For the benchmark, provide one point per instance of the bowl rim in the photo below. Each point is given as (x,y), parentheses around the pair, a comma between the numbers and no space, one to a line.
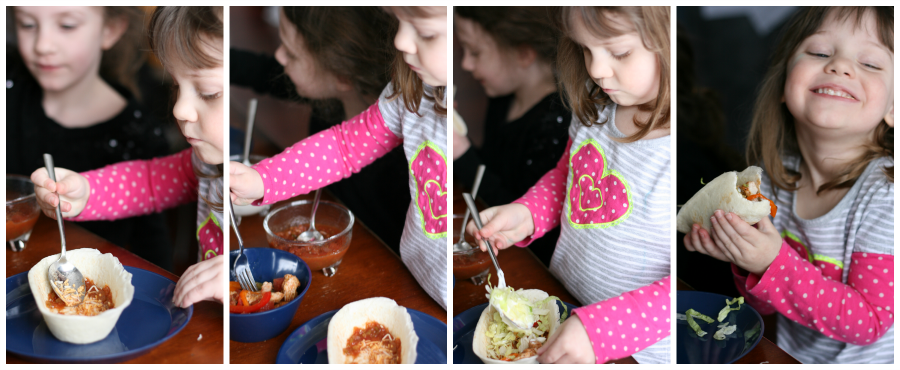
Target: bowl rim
(23,198)
(307,201)
(299,295)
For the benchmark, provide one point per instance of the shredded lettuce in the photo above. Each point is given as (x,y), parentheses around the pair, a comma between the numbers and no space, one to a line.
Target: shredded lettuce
(728,302)
(689,315)
(724,330)
(506,342)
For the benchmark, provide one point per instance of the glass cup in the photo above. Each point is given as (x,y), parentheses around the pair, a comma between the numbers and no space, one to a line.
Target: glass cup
(333,220)
(22,211)
(472,264)
(249,210)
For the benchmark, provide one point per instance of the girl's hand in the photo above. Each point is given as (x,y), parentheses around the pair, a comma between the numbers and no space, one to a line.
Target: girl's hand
(246,184)
(752,249)
(569,344)
(461,144)
(700,241)
(201,282)
(73,188)
(503,226)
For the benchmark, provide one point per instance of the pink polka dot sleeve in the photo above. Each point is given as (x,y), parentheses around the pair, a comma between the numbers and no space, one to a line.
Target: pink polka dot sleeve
(326,157)
(136,188)
(621,326)
(858,312)
(545,199)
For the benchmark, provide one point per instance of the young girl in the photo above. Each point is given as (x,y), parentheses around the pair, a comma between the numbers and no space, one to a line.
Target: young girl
(511,52)
(72,91)
(343,55)
(188,41)
(823,129)
(410,112)
(610,192)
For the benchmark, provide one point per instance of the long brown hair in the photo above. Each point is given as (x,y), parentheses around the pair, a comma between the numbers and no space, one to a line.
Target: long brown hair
(407,84)
(651,24)
(515,26)
(773,133)
(353,43)
(177,36)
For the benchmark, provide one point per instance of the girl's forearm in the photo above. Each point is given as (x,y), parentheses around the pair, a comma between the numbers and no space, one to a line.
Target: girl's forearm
(545,199)
(622,326)
(141,187)
(326,157)
(858,312)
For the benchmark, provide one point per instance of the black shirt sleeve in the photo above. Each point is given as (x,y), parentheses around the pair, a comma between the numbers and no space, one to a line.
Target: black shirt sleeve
(262,73)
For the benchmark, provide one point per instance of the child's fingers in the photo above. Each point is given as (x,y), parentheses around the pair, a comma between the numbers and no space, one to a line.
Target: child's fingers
(707,240)
(41,177)
(741,228)
(552,352)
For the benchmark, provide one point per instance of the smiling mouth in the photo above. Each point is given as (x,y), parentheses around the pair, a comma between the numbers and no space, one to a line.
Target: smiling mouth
(831,92)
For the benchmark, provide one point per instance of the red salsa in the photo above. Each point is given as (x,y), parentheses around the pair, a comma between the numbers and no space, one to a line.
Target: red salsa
(20,218)
(316,256)
(95,301)
(466,266)
(373,345)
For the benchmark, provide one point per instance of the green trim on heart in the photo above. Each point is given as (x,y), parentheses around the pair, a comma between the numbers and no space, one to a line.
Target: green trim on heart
(606,172)
(412,174)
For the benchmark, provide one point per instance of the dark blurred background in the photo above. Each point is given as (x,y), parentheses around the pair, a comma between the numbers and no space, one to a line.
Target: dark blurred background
(723,53)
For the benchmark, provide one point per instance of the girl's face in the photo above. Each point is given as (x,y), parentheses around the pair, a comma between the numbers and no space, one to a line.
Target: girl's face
(423,42)
(310,81)
(199,107)
(841,77)
(62,46)
(621,65)
(491,67)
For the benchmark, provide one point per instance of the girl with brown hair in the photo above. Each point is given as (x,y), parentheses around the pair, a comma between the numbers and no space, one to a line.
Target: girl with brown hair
(410,112)
(72,91)
(610,192)
(823,130)
(188,42)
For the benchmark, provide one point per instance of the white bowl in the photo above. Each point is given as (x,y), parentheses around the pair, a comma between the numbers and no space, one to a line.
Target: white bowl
(102,269)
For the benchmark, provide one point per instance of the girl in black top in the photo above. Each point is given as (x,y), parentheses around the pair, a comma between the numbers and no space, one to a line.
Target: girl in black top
(510,51)
(72,92)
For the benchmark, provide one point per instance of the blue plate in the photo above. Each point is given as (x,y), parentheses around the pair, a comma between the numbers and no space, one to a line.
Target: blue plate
(149,320)
(464,332)
(308,344)
(706,350)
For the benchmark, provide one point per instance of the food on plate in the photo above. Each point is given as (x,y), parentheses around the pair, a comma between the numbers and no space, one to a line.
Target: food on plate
(495,342)
(95,301)
(724,329)
(318,255)
(373,330)
(728,302)
(270,295)
(731,192)
(109,292)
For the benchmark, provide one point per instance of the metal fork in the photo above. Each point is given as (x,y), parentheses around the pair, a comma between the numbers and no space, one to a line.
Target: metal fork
(241,263)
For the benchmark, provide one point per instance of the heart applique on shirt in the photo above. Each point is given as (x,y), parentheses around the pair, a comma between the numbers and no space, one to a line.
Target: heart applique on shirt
(599,197)
(429,171)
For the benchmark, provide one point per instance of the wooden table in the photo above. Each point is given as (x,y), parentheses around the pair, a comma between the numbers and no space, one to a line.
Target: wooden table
(182,348)
(369,269)
(521,269)
(765,351)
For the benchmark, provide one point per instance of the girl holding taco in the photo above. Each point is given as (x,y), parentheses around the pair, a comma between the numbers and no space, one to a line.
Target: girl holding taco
(610,191)
(188,42)
(823,130)
(410,112)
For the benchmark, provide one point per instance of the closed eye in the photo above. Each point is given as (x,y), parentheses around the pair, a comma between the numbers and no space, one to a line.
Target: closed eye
(819,55)
(211,96)
(622,56)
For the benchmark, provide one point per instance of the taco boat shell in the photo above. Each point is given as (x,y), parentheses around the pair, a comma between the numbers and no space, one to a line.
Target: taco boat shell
(721,193)
(480,340)
(384,311)
(103,269)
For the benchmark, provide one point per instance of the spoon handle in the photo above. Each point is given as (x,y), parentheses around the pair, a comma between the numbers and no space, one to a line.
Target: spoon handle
(248,138)
(51,170)
(471,204)
(234,225)
(479,173)
(312,217)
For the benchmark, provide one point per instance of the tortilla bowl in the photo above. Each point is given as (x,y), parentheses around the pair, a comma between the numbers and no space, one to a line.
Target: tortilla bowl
(722,193)
(384,311)
(102,269)
(480,340)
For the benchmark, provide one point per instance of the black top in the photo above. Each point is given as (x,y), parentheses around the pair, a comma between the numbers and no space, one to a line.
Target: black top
(516,154)
(379,194)
(127,136)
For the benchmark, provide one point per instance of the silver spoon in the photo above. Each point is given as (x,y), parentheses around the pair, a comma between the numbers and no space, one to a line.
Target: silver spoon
(501,279)
(251,117)
(462,244)
(64,277)
(311,233)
